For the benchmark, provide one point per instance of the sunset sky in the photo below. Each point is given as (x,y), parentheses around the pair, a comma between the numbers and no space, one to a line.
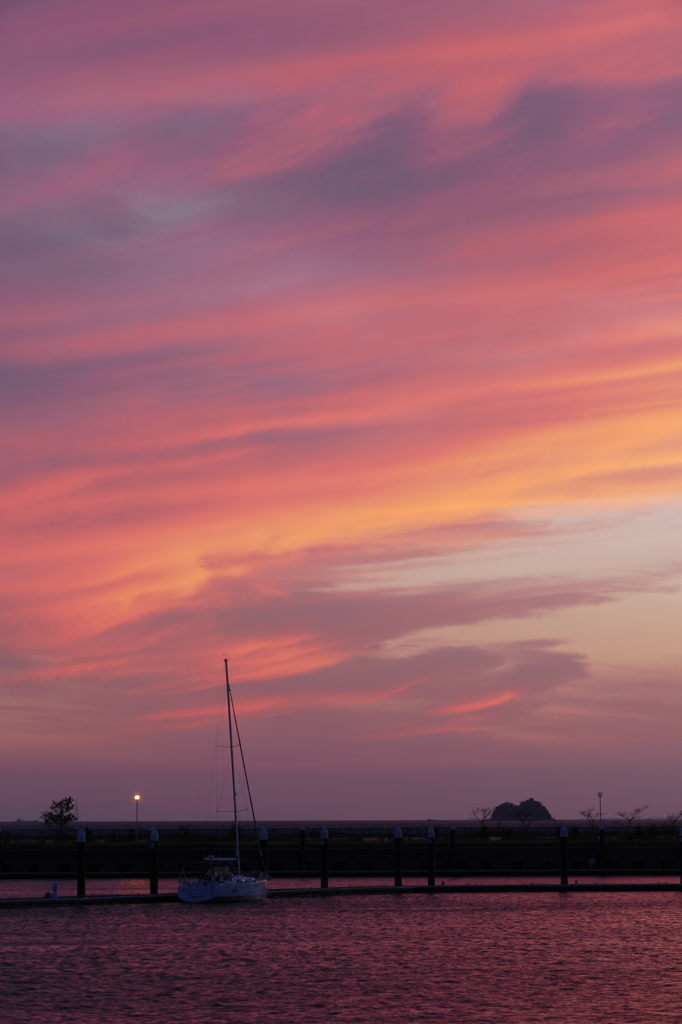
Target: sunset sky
(343,340)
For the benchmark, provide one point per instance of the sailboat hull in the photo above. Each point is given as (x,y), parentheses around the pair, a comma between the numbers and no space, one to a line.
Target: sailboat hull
(228,890)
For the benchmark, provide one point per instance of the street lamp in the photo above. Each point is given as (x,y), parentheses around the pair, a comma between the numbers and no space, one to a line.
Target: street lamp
(136,798)
(600,795)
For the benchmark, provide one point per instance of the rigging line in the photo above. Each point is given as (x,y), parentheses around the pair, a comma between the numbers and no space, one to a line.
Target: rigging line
(246,779)
(211,736)
(218,778)
(230,715)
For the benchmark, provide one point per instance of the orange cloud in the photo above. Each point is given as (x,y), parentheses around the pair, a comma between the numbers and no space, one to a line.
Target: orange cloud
(492,702)
(299,301)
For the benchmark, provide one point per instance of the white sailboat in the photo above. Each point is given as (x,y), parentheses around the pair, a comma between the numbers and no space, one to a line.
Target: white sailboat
(223,879)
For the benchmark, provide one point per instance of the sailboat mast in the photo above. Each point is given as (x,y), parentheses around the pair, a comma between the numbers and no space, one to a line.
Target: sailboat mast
(234,784)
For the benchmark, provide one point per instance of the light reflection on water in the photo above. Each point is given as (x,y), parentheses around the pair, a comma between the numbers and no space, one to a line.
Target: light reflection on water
(509,958)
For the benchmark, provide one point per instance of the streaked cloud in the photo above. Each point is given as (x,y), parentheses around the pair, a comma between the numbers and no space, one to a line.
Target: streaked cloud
(310,316)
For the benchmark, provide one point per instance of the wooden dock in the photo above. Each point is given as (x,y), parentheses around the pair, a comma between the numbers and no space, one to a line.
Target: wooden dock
(85,901)
(525,887)
(359,890)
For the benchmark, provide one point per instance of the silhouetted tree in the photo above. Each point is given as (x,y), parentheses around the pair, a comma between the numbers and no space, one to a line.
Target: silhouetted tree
(482,814)
(60,814)
(673,819)
(591,816)
(630,816)
(525,815)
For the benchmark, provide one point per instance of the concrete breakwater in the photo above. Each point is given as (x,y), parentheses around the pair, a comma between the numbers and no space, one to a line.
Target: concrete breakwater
(348,858)
(350,830)
(402,855)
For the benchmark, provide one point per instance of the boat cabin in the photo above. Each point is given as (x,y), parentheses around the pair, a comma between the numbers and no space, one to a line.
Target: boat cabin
(218,869)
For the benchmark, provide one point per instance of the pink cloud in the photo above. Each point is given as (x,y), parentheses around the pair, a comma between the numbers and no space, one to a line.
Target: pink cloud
(291,295)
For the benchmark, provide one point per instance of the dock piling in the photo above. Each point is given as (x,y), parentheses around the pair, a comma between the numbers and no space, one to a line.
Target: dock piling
(398,856)
(431,855)
(80,864)
(563,843)
(153,862)
(263,846)
(324,858)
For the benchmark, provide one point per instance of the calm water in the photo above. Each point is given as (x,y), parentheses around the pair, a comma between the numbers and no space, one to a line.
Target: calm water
(602,957)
